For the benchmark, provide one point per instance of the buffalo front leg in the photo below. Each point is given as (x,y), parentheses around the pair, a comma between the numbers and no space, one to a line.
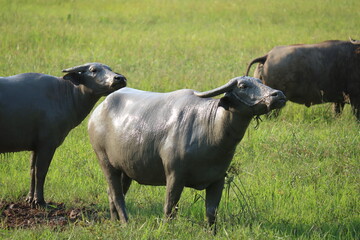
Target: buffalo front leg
(338,108)
(42,162)
(30,196)
(212,200)
(174,188)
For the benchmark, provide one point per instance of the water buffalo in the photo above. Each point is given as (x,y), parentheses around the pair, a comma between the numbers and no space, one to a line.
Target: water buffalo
(37,111)
(315,73)
(178,139)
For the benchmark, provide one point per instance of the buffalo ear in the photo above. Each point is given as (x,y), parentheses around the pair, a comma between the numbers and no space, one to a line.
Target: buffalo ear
(73,77)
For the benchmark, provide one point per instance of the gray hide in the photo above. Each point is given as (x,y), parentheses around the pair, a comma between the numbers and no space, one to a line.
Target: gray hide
(315,73)
(178,139)
(37,111)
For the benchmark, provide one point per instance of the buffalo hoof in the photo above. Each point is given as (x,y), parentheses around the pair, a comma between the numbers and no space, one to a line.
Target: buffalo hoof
(34,203)
(29,199)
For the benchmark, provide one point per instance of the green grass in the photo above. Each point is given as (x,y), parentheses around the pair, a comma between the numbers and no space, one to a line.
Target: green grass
(295,177)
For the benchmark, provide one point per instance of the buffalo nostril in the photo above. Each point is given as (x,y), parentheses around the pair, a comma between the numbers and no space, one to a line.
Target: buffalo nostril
(279,95)
(120,77)
(274,94)
(119,81)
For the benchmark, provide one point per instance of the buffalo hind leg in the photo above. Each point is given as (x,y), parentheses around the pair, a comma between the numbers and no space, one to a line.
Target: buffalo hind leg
(212,200)
(116,196)
(174,189)
(30,196)
(356,111)
(126,182)
(355,105)
(43,157)
(115,191)
(113,212)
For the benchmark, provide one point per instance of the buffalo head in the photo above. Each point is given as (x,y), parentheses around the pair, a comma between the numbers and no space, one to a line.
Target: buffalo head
(248,94)
(97,77)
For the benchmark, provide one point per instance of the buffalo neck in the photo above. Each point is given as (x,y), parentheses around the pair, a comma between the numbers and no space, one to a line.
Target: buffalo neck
(230,126)
(81,102)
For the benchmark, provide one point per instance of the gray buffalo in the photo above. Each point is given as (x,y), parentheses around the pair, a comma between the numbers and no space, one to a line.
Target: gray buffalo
(315,73)
(178,139)
(37,111)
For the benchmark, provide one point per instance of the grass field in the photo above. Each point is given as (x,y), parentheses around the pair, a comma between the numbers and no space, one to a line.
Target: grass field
(295,177)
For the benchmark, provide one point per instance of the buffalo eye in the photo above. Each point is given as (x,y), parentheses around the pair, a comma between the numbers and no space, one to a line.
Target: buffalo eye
(92,69)
(242,86)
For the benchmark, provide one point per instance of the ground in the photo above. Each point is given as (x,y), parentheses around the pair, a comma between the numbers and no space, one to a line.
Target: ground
(21,215)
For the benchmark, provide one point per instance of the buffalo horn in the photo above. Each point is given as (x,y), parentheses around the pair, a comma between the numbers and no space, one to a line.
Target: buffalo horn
(217,91)
(80,68)
(353,41)
(83,68)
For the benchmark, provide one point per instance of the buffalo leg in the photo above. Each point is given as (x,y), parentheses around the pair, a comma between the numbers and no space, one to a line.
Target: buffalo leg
(30,196)
(113,212)
(116,196)
(126,182)
(43,159)
(356,112)
(338,108)
(115,190)
(212,200)
(174,189)
(355,107)
(355,103)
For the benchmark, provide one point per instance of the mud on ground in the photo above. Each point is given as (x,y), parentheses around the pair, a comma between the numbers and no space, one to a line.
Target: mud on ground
(21,215)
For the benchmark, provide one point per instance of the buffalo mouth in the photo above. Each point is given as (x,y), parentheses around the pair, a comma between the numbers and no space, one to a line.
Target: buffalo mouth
(277,103)
(119,84)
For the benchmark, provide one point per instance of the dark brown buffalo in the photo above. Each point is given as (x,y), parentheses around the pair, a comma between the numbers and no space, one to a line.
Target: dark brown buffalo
(314,73)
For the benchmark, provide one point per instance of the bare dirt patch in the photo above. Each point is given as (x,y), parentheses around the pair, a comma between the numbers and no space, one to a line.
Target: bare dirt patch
(21,215)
